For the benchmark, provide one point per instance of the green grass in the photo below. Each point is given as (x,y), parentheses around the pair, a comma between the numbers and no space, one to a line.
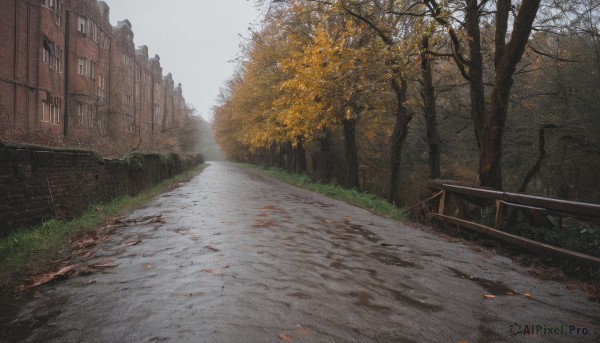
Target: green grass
(367,201)
(37,245)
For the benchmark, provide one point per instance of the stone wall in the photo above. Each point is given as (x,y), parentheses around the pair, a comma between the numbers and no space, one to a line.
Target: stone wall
(39,183)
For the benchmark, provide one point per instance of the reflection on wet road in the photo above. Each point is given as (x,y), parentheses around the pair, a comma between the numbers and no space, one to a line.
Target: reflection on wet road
(242,258)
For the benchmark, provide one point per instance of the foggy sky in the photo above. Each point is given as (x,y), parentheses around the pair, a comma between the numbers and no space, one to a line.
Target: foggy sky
(195,39)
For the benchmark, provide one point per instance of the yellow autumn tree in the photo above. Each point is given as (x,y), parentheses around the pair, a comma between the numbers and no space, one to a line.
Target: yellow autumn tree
(324,88)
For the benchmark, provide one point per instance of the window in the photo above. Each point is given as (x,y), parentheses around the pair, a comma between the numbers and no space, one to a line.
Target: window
(51,54)
(93,30)
(45,111)
(51,110)
(101,93)
(128,122)
(82,24)
(81,66)
(80,114)
(93,70)
(49,3)
(56,8)
(91,116)
(157,115)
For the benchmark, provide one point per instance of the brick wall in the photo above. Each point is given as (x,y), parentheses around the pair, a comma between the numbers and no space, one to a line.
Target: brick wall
(38,183)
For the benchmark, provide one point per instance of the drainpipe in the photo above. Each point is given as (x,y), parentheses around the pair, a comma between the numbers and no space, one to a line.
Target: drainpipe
(28,82)
(108,91)
(37,73)
(67,68)
(15,69)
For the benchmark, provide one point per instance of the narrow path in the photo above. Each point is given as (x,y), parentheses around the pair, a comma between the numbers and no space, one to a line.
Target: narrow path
(243,258)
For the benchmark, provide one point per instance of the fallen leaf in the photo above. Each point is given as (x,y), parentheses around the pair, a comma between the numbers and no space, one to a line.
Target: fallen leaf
(211,248)
(61,260)
(47,278)
(88,242)
(148,266)
(285,337)
(489,296)
(88,255)
(302,331)
(90,282)
(132,243)
(527,295)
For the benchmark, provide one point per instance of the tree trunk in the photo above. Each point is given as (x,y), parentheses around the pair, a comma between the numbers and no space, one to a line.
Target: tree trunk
(351,153)
(397,140)
(430,111)
(491,134)
(326,159)
(298,158)
(476,84)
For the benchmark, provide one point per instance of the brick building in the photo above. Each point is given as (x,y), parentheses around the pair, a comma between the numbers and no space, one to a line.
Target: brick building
(65,68)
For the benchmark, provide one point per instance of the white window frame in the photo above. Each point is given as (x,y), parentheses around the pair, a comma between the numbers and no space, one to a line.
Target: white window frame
(45,111)
(82,24)
(80,114)
(81,66)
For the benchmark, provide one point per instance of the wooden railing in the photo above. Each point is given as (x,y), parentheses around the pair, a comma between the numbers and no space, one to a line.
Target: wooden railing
(535,205)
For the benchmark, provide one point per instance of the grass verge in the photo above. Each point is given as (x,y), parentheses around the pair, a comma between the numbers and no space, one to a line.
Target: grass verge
(36,246)
(367,201)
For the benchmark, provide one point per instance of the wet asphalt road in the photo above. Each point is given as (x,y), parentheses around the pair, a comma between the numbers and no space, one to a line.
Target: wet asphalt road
(242,258)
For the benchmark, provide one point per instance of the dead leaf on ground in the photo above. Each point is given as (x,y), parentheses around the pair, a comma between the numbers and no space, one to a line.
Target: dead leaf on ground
(87,255)
(132,243)
(211,248)
(527,295)
(148,266)
(489,296)
(88,242)
(90,282)
(61,260)
(302,331)
(103,238)
(285,337)
(49,277)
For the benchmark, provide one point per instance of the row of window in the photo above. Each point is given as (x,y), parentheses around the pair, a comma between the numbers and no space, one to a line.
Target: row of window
(89,27)
(86,115)
(51,110)
(56,8)
(51,54)
(86,67)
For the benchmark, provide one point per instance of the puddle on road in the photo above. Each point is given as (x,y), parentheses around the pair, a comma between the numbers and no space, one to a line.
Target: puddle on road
(364,299)
(361,231)
(493,287)
(393,260)
(406,300)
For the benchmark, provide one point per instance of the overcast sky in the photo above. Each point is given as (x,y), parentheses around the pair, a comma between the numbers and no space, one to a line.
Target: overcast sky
(195,40)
